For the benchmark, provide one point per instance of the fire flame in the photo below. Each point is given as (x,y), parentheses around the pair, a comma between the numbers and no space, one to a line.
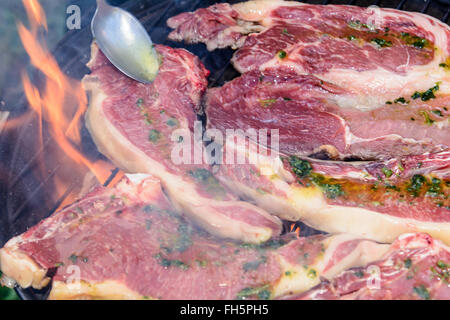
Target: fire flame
(297,230)
(62,101)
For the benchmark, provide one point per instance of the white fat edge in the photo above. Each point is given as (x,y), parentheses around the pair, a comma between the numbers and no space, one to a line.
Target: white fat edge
(354,139)
(378,85)
(108,289)
(302,278)
(366,251)
(137,178)
(258,10)
(374,225)
(299,278)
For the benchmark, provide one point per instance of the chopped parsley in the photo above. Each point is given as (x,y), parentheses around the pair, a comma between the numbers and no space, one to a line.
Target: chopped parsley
(253,265)
(154,135)
(428,120)
(166,263)
(426,95)
(359,273)
(262,293)
(300,167)
(401,100)
(387,172)
(381,43)
(267,102)
(408,263)
(73,258)
(415,41)
(140,102)
(312,274)
(172,122)
(282,54)
(417,182)
(211,183)
(438,113)
(422,292)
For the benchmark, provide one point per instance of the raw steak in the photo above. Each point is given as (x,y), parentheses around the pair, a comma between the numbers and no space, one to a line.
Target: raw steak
(415,267)
(306,112)
(375,200)
(136,125)
(377,55)
(128,243)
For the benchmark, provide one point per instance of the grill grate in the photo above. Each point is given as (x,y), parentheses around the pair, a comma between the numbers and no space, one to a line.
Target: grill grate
(24,192)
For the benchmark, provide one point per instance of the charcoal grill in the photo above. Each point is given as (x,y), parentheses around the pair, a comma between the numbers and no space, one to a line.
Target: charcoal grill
(25,198)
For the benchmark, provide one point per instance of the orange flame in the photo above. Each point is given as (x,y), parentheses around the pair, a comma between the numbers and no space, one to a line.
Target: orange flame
(297,230)
(62,101)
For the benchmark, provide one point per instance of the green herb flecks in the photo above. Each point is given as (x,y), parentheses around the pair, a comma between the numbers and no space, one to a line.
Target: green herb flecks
(408,263)
(167,263)
(332,190)
(267,102)
(281,54)
(417,182)
(154,135)
(415,41)
(387,172)
(184,237)
(422,292)
(172,122)
(359,273)
(438,113)
(211,184)
(73,258)
(253,265)
(428,120)
(301,168)
(262,293)
(426,95)
(401,100)
(358,25)
(381,43)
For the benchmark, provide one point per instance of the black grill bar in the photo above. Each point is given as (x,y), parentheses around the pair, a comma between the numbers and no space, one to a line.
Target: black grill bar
(400,5)
(425,7)
(445,18)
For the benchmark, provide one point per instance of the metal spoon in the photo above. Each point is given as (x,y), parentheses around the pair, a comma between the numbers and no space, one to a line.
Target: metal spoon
(125,42)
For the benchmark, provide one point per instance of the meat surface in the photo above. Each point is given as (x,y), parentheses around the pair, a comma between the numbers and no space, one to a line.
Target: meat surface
(376,200)
(415,267)
(128,242)
(140,127)
(378,55)
(323,75)
(305,110)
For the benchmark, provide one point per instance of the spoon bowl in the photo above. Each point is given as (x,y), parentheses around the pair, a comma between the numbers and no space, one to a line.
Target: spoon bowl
(125,42)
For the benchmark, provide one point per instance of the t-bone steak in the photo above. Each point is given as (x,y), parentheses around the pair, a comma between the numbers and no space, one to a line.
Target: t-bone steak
(377,54)
(328,78)
(305,111)
(379,200)
(137,126)
(415,267)
(128,242)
